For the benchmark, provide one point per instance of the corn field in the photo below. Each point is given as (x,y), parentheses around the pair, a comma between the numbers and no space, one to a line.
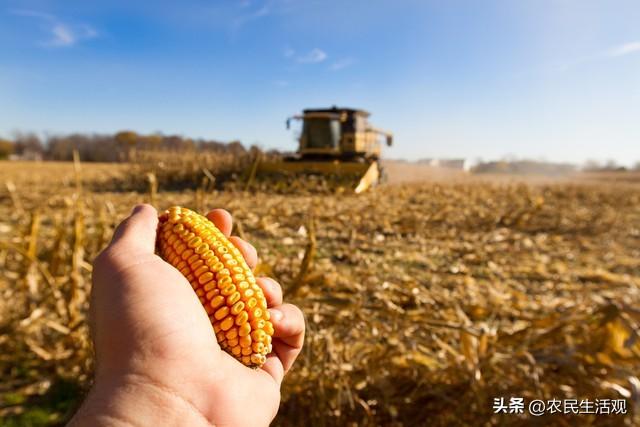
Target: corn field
(423,301)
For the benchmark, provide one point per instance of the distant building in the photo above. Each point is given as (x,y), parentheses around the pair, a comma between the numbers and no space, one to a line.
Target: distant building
(457,164)
(525,167)
(28,155)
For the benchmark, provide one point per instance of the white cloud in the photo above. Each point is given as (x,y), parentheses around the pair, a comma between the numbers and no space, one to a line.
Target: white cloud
(61,34)
(89,31)
(313,56)
(342,63)
(261,12)
(288,52)
(624,49)
(610,54)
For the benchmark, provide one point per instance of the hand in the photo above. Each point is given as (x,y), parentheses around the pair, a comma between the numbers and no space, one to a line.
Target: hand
(157,358)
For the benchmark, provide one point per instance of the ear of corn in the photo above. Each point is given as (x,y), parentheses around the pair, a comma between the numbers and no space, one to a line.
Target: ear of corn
(222,280)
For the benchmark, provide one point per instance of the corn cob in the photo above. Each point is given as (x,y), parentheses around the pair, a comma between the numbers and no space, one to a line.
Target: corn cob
(222,280)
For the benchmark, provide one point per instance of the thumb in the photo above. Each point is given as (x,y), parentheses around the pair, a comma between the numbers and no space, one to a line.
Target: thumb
(137,233)
(133,241)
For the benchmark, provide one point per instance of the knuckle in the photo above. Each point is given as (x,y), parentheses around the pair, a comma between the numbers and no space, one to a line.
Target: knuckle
(110,259)
(104,260)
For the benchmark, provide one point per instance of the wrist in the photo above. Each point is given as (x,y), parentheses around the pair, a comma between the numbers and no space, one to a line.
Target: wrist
(134,400)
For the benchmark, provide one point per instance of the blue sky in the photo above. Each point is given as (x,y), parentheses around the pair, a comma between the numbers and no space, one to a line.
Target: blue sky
(556,80)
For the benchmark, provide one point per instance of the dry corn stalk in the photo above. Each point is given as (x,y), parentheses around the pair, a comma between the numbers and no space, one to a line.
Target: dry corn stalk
(17,205)
(153,188)
(309,255)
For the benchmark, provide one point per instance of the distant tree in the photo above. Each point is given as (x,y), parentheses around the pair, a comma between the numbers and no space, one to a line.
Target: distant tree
(151,142)
(27,144)
(236,147)
(121,146)
(126,138)
(92,148)
(592,165)
(6,148)
(211,146)
(175,142)
(636,166)
(103,148)
(59,148)
(127,141)
(611,165)
(255,149)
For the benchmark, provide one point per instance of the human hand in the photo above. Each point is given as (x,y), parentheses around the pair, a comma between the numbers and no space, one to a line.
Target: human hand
(157,358)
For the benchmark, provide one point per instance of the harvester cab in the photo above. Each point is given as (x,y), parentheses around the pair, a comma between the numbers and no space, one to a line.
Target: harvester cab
(339,134)
(336,143)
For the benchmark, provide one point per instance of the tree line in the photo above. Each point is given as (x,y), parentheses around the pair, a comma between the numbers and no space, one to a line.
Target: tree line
(119,147)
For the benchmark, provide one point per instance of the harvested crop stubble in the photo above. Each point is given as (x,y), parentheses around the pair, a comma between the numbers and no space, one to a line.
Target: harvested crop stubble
(423,302)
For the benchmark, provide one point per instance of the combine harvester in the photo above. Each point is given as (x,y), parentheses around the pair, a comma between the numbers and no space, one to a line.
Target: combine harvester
(337,144)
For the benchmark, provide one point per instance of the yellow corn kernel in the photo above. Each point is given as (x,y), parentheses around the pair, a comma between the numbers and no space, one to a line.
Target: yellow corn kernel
(245,341)
(221,280)
(216,266)
(201,270)
(237,308)
(257,334)
(245,329)
(211,286)
(227,323)
(228,290)
(258,324)
(225,280)
(257,347)
(233,299)
(242,318)
(268,328)
(231,333)
(195,265)
(221,313)
(216,301)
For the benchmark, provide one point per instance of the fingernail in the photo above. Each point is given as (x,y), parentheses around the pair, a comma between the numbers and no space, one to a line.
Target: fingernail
(276,314)
(270,283)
